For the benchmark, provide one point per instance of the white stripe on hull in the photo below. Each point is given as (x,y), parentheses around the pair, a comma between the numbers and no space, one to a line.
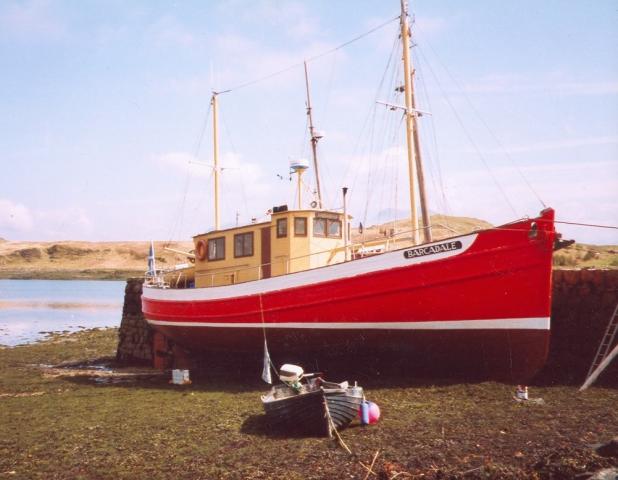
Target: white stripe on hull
(385,261)
(534,323)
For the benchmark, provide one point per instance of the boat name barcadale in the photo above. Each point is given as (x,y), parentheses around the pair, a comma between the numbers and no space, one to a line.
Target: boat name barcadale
(432,249)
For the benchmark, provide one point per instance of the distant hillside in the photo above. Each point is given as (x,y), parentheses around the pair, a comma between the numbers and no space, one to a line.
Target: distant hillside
(118,260)
(444,226)
(580,255)
(104,260)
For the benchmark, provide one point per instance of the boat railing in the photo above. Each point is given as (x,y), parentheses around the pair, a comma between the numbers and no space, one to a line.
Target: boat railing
(242,273)
(233,275)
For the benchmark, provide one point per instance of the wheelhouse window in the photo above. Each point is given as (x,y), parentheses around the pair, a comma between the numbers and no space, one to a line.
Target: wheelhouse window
(216,249)
(326,227)
(300,226)
(243,244)
(334,228)
(319,227)
(282,227)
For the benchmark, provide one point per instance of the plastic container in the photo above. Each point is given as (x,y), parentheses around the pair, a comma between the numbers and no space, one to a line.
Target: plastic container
(180,377)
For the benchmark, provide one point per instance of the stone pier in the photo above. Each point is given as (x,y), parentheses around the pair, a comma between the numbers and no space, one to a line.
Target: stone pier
(135,337)
(583,301)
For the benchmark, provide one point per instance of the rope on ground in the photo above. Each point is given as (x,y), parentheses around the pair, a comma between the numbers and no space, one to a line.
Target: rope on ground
(370,467)
(332,428)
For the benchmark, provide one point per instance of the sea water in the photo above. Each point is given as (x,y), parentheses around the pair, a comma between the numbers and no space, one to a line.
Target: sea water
(30,309)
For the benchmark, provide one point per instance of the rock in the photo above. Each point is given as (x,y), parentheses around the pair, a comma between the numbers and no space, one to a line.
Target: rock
(604,474)
(609,449)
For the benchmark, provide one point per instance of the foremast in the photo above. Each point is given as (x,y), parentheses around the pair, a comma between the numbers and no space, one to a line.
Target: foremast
(216,169)
(415,165)
(314,140)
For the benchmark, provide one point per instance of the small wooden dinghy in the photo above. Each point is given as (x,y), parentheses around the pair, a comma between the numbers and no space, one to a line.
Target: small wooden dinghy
(313,407)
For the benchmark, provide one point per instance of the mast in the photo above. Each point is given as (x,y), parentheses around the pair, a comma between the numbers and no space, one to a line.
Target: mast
(314,140)
(412,162)
(427,235)
(215,142)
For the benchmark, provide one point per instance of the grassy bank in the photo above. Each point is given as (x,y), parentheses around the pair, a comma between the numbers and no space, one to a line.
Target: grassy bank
(67,274)
(90,423)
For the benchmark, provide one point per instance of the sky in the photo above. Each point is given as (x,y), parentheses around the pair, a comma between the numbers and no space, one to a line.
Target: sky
(106,132)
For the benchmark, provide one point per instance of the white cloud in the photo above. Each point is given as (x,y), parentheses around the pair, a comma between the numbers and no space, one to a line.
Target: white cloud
(30,20)
(15,216)
(63,223)
(18,221)
(186,163)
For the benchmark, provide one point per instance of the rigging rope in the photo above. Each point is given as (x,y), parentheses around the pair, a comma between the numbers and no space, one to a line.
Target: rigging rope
(587,224)
(310,59)
(179,216)
(433,156)
(468,135)
(243,190)
(486,125)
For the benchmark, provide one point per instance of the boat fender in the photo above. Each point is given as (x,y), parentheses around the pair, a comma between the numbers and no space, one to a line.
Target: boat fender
(364,412)
(369,413)
(374,413)
(200,250)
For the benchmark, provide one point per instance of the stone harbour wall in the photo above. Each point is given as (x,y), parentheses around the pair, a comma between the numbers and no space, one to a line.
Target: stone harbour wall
(583,302)
(135,337)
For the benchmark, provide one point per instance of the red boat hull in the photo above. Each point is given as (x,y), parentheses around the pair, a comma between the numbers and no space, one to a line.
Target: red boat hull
(481,299)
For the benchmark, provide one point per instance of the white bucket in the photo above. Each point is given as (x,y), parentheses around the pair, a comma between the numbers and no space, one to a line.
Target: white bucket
(180,377)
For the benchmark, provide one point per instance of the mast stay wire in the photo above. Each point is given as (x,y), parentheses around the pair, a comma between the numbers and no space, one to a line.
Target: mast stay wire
(310,59)
(325,165)
(243,190)
(433,153)
(367,132)
(390,127)
(178,217)
(468,135)
(487,127)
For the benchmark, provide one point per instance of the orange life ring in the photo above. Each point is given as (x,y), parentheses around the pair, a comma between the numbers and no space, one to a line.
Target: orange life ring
(200,250)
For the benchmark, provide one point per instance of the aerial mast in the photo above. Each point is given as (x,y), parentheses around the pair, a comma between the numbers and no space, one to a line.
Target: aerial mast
(216,170)
(314,140)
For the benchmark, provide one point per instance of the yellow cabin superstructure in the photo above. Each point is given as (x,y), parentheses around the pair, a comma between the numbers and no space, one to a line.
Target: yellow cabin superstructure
(292,241)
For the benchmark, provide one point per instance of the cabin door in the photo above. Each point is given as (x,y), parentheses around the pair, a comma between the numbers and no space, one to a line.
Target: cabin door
(265,260)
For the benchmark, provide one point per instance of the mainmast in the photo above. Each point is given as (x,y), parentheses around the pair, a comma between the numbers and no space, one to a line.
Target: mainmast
(314,140)
(213,103)
(415,166)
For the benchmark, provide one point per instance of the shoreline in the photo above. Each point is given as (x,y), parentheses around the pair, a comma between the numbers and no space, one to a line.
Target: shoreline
(89,274)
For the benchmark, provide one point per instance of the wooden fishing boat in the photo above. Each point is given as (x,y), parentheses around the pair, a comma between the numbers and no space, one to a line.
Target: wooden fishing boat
(314,407)
(482,299)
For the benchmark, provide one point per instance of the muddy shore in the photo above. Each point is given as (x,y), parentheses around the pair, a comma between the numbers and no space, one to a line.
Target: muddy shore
(86,419)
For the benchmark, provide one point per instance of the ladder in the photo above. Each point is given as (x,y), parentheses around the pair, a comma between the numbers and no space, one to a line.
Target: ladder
(604,349)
